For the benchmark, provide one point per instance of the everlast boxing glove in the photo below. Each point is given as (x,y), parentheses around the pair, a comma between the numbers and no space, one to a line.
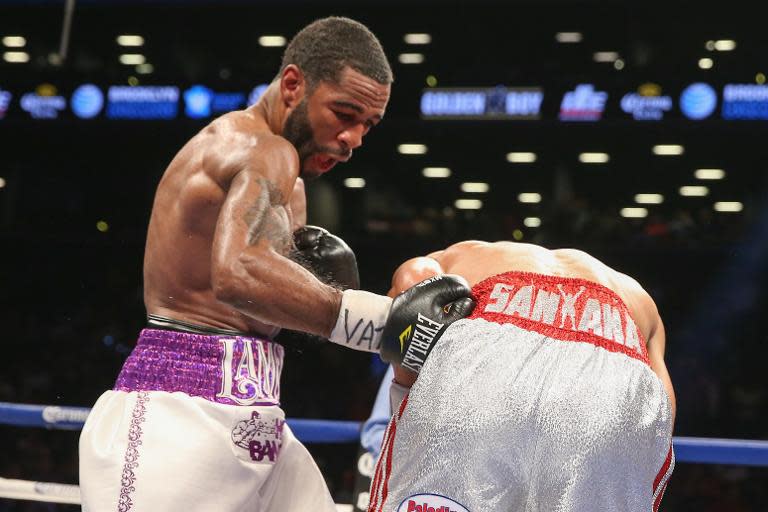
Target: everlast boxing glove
(328,256)
(420,315)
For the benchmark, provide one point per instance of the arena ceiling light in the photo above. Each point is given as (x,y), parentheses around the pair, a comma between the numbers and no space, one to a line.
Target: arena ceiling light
(694,191)
(706,63)
(354,182)
(14,42)
(436,172)
(16,57)
(668,149)
(633,212)
(725,45)
(728,206)
(517,157)
(130,40)
(412,149)
(529,197)
(410,58)
(475,187)
(594,158)
(272,41)
(709,174)
(2,182)
(605,56)
(145,69)
(532,222)
(649,198)
(420,38)
(132,59)
(568,37)
(468,204)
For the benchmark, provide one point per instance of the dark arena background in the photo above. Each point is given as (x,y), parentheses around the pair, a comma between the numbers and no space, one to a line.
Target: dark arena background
(636,131)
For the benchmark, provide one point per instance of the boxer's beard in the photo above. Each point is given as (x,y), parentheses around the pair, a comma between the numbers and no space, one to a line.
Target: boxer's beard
(299,133)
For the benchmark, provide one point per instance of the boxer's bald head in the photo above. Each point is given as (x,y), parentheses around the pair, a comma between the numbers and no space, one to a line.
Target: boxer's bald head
(414,271)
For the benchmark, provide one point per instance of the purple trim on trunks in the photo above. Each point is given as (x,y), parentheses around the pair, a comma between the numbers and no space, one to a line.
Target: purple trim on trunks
(131,458)
(195,364)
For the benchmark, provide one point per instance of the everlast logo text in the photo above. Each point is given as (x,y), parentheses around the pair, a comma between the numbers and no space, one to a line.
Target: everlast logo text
(421,343)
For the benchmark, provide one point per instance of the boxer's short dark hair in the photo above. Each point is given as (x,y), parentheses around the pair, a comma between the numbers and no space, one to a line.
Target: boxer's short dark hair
(325,47)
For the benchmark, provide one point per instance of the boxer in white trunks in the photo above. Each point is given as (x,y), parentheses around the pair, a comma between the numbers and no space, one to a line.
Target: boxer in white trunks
(551,396)
(194,422)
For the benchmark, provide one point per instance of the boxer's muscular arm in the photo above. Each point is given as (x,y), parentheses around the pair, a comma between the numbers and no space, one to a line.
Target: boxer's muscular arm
(253,234)
(656,344)
(648,314)
(298,204)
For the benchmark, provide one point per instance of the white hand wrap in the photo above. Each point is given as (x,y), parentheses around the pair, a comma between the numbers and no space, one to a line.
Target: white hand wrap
(361,319)
(396,394)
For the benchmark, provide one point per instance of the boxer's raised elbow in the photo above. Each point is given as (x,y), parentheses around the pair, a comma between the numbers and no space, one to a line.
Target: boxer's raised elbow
(238,282)
(229,281)
(225,286)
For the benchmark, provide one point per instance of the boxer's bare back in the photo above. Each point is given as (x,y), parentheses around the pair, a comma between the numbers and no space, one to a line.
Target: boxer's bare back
(476,261)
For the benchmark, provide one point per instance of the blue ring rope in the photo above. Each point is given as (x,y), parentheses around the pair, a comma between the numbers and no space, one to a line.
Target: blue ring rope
(701,450)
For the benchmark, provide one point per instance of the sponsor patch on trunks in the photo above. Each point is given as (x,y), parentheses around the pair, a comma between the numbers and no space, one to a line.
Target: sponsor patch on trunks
(261,438)
(430,503)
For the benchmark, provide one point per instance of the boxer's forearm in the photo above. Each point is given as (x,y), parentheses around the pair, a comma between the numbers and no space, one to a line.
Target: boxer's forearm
(273,289)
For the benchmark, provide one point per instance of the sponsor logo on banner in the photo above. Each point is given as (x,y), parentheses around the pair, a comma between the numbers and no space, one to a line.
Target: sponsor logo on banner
(200,102)
(256,93)
(745,101)
(430,503)
(142,102)
(524,104)
(227,101)
(698,101)
(494,103)
(647,104)
(87,101)
(44,103)
(54,414)
(197,101)
(5,102)
(584,103)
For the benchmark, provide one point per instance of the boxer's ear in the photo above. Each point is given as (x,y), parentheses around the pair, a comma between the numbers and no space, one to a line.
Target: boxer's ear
(292,86)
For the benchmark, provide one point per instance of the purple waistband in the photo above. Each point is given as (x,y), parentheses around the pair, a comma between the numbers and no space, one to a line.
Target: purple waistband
(234,370)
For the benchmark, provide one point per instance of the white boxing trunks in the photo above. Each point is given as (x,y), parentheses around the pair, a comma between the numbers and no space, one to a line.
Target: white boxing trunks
(194,424)
(542,400)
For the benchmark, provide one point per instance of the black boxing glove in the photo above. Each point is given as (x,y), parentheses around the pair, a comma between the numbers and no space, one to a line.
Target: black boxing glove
(420,315)
(328,256)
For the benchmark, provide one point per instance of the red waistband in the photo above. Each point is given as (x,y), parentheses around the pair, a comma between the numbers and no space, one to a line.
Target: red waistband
(563,308)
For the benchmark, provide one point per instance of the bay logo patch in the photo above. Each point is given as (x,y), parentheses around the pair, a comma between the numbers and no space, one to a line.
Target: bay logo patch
(430,503)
